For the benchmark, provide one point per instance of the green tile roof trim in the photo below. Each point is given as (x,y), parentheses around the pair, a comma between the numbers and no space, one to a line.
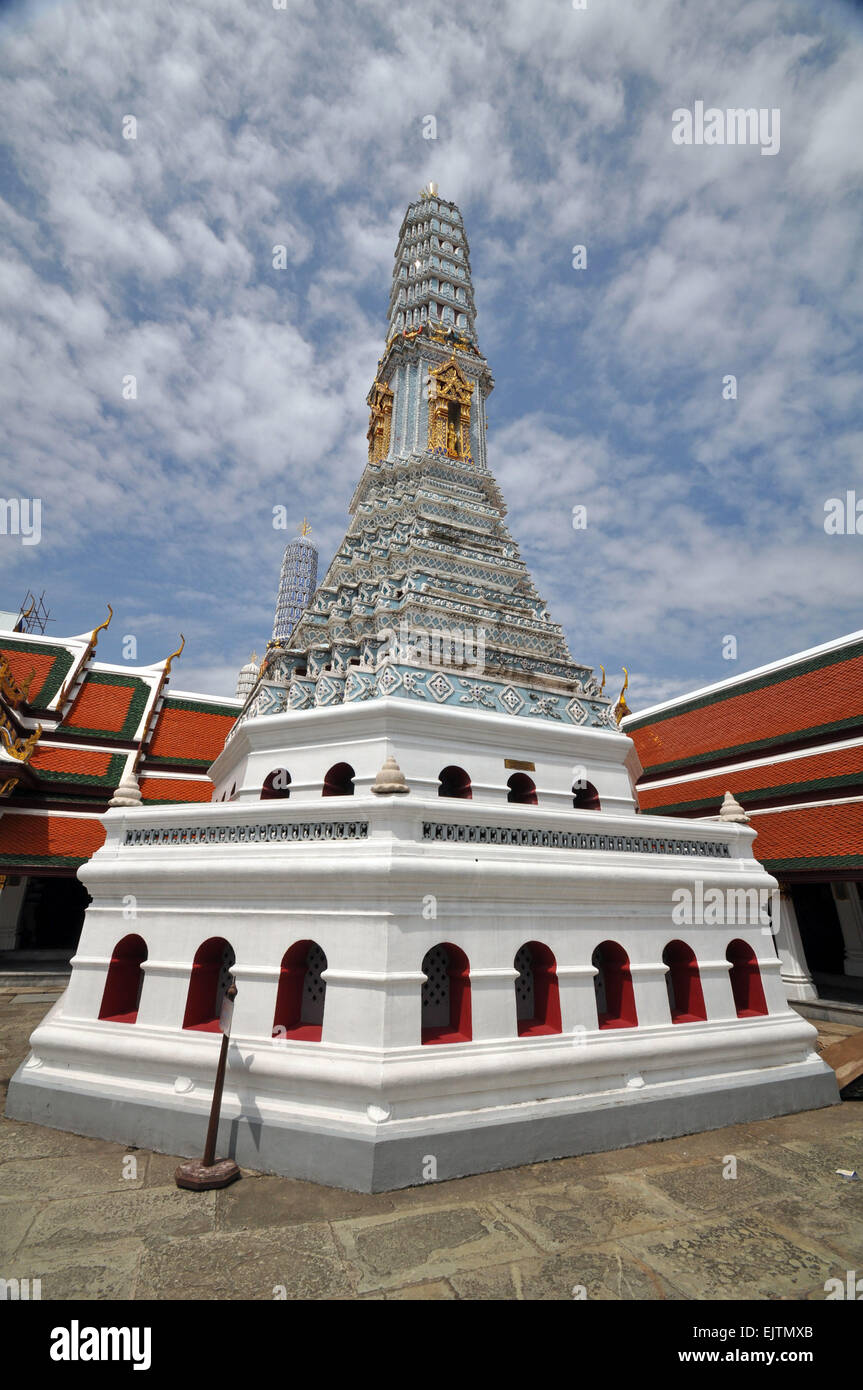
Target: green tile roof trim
(827,861)
(46,861)
(203,707)
(850,779)
(156,761)
(728,692)
(63,660)
(737,749)
(110,778)
(140,694)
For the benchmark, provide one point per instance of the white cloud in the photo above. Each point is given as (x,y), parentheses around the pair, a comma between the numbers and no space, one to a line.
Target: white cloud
(259,127)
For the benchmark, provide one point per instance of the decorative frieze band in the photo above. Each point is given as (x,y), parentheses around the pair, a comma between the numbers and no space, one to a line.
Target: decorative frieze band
(249,834)
(458,834)
(571,839)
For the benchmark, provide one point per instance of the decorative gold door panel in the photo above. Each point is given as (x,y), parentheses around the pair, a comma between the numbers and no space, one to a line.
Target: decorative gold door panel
(450,394)
(380,399)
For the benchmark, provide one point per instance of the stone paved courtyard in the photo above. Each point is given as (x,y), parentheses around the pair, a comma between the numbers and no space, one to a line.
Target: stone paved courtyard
(654,1222)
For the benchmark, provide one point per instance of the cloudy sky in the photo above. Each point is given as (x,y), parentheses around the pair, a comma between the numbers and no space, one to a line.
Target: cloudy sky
(304,126)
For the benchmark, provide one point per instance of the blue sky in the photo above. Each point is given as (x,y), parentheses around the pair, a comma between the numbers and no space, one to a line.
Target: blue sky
(304,127)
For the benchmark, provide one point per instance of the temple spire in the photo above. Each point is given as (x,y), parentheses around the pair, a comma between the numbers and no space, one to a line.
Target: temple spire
(427,598)
(296,582)
(432,283)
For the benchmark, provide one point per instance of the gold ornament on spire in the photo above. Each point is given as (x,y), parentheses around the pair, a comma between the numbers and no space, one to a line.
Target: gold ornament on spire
(380,401)
(621,709)
(450,394)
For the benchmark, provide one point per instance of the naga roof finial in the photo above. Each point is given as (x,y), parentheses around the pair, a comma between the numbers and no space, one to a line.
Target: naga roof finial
(175,655)
(94,635)
(621,709)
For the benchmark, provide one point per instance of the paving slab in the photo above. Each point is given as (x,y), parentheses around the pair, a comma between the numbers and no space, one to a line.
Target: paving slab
(117,1216)
(820,1124)
(727,1257)
(814,1164)
(91,1272)
(589,1213)
(437,1291)
(19,1139)
(602,1274)
(294,1262)
(99,1169)
(702,1186)
(838,1227)
(258,1202)
(29,998)
(390,1251)
(16,1218)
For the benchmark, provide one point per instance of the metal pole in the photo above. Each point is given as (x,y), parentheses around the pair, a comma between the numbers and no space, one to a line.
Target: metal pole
(213,1128)
(199,1175)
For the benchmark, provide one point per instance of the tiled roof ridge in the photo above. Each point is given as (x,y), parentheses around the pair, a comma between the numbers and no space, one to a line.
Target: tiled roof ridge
(747,682)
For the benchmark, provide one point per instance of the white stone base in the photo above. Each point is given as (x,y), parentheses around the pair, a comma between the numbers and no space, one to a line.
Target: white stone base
(370,1156)
(377,882)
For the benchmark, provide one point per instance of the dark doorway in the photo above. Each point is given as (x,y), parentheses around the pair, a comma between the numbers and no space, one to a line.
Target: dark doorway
(52,914)
(820,932)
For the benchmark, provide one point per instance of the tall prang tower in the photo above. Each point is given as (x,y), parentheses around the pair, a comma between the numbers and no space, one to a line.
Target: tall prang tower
(428,590)
(297,581)
(451,932)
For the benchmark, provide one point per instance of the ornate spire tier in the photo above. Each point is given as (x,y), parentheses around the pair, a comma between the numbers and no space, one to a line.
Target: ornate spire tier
(428,597)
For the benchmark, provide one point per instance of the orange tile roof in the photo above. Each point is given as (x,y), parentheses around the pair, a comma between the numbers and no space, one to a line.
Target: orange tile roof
(810,837)
(89,761)
(190,734)
(21,663)
(49,840)
(101,707)
(830,768)
(175,789)
(776,710)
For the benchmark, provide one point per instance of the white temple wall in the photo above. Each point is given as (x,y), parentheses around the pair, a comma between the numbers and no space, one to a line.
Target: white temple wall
(364,736)
(375,915)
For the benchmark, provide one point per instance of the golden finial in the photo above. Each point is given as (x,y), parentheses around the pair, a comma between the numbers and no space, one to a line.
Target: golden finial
(305,529)
(621,709)
(19,748)
(28,744)
(602,669)
(94,635)
(25,686)
(174,655)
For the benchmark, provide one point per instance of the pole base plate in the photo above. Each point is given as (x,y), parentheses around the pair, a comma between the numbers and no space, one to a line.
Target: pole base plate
(198,1178)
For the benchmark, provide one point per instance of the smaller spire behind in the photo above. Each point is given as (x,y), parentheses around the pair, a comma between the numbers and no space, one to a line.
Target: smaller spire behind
(247,677)
(297,583)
